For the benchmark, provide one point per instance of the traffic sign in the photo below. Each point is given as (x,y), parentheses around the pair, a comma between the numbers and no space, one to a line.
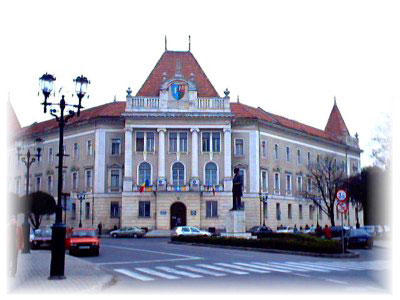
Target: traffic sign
(341,195)
(342,207)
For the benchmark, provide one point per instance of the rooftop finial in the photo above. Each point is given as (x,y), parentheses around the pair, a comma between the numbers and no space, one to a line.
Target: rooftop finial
(115,98)
(165,40)
(237,100)
(334,100)
(189,42)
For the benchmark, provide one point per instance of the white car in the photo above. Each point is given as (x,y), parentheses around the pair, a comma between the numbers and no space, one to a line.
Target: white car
(285,229)
(190,231)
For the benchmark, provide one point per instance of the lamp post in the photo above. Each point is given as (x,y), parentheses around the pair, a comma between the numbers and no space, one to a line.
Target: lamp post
(81,197)
(28,159)
(263,201)
(58,228)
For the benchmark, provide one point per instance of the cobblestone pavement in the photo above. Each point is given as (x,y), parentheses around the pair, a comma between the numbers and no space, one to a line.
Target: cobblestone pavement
(34,269)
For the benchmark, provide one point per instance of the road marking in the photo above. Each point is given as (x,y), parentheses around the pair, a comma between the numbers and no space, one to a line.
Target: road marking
(306,267)
(321,266)
(302,275)
(293,268)
(336,265)
(151,251)
(202,271)
(146,261)
(133,274)
(242,268)
(336,281)
(177,272)
(156,273)
(263,267)
(222,269)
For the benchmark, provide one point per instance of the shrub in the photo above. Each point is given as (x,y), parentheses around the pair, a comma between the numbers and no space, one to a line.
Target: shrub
(290,242)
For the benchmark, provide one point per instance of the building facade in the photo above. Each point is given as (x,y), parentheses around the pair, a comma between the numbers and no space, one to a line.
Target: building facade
(165,157)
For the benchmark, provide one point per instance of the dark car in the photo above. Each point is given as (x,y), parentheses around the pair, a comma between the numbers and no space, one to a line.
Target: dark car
(260,231)
(337,231)
(358,238)
(41,238)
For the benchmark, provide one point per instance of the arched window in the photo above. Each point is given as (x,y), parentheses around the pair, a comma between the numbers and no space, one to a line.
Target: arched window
(178,174)
(211,174)
(145,173)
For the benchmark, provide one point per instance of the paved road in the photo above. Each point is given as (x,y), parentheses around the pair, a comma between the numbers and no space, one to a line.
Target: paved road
(148,265)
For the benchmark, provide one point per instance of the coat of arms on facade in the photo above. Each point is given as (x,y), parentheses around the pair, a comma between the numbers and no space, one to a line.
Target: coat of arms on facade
(178,90)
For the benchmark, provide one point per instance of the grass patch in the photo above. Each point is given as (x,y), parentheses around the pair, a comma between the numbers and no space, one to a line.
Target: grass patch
(284,241)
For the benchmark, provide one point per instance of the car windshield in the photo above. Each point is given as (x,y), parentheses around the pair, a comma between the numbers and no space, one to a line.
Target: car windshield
(356,232)
(43,232)
(84,233)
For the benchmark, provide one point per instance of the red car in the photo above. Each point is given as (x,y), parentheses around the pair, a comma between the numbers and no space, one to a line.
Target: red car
(83,240)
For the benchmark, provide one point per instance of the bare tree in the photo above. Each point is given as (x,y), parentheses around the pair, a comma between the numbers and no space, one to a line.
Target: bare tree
(381,144)
(326,178)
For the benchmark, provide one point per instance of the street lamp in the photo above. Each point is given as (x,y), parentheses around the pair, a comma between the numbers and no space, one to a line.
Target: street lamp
(263,201)
(58,229)
(81,196)
(28,159)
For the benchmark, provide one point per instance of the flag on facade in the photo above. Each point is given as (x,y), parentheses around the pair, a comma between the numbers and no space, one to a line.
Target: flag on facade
(144,185)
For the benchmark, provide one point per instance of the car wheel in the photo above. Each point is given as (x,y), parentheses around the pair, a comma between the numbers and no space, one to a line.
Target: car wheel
(114,235)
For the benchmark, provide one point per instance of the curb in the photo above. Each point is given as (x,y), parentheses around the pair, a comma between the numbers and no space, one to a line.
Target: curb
(346,255)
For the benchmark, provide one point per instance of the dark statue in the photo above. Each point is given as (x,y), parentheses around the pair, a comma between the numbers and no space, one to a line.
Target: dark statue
(237,189)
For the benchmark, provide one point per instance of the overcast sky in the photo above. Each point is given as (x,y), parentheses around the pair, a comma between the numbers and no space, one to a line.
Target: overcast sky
(289,57)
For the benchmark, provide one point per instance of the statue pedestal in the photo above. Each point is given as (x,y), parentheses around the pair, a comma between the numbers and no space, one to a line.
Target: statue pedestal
(235,224)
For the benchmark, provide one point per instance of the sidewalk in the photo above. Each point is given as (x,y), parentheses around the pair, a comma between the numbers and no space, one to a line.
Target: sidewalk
(382,243)
(34,269)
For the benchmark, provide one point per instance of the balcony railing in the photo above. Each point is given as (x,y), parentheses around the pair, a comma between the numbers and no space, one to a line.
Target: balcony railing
(143,103)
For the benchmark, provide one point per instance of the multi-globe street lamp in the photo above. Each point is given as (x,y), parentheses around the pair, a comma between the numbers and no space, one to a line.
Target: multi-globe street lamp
(263,201)
(58,229)
(28,159)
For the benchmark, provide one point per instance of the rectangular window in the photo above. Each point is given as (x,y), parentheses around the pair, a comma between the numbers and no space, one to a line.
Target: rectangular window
(287,153)
(264,181)
(264,149)
(276,150)
(87,210)
(89,148)
(38,183)
(150,141)
(309,185)
(298,156)
(300,211)
(173,142)
(308,157)
(49,184)
(299,184)
(276,184)
(73,211)
(88,179)
(212,209)
(205,141)
(288,184)
(289,211)
(115,179)
(114,210)
(76,151)
(139,141)
(216,142)
(144,209)
(75,181)
(266,210)
(115,146)
(239,147)
(51,156)
(311,211)
(278,211)
(182,142)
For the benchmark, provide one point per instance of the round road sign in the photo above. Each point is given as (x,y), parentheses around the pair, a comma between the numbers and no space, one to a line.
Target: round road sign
(341,195)
(342,207)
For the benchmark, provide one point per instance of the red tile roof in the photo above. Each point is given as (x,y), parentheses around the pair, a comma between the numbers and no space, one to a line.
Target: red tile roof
(244,111)
(336,124)
(167,63)
(113,109)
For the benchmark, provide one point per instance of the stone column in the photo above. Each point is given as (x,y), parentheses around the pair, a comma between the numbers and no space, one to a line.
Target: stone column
(100,161)
(194,180)
(128,175)
(161,181)
(254,161)
(227,160)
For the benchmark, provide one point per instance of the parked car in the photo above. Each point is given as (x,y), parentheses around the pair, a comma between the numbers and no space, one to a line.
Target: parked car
(255,230)
(83,240)
(133,231)
(370,229)
(310,230)
(189,231)
(358,238)
(41,238)
(337,231)
(285,229)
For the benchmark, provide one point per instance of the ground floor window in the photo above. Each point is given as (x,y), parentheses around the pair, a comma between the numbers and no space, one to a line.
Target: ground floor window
(73,211)
(144,208)
(278,211)
(87,210)
(114,210)
(289,211)
(212,209)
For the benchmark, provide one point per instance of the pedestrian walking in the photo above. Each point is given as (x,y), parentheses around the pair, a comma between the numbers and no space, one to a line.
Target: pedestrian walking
(327,232)
(16,243)
(99,228)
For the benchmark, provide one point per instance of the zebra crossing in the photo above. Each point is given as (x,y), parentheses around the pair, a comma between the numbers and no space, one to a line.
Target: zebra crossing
(219,269)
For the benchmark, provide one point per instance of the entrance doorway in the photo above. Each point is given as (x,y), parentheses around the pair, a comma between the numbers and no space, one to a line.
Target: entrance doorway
(178,214)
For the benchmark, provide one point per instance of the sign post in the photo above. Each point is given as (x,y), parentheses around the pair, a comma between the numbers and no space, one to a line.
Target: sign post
(341,196)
